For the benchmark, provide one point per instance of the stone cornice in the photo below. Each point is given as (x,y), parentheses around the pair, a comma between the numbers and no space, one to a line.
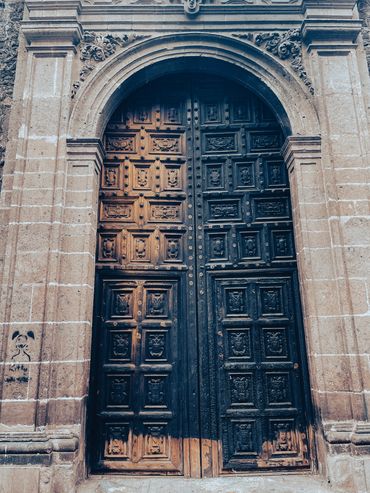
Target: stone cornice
(329,30)
(59,32)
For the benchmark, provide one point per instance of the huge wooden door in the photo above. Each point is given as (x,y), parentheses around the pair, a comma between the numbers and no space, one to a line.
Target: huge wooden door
(199,365)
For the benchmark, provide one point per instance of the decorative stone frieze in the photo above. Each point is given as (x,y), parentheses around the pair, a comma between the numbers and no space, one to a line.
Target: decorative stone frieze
(96,48)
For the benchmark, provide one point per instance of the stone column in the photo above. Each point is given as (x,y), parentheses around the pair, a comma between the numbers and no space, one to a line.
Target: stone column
(47,283)
(336,298)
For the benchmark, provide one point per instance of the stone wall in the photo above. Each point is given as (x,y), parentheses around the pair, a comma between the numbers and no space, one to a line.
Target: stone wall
(10,16)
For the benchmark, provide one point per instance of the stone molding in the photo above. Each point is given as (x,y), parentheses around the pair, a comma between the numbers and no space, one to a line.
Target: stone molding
(35,447)
(357,433)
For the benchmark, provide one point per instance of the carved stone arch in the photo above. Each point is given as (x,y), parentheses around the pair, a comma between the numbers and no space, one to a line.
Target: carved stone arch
(148,59)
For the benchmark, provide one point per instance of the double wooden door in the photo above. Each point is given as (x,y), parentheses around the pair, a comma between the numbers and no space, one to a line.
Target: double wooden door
(199,359)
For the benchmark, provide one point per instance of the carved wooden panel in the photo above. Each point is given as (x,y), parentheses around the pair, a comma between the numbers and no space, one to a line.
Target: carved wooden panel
(246,264)
(198,335)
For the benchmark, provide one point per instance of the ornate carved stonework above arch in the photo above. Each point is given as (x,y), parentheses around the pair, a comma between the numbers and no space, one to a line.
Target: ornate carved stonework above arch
(149,58)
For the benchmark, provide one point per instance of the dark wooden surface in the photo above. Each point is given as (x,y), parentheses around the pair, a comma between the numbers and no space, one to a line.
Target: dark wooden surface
(199,365)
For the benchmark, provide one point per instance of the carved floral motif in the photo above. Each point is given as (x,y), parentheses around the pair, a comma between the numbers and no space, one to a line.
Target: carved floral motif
(97,47)
(286,46)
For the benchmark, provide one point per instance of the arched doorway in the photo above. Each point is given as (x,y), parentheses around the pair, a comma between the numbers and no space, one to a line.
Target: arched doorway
(198,344)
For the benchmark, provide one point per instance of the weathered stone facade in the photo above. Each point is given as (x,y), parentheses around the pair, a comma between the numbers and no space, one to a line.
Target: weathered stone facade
(77,60)
(10,17)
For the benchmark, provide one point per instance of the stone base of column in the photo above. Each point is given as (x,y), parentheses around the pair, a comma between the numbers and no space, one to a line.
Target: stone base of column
(39,462)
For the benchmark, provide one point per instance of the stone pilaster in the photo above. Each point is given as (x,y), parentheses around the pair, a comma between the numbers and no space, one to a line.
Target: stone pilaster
(331,32)
(37,378)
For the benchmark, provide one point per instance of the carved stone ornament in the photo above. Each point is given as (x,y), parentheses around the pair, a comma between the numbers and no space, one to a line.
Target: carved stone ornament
(95,48)
(286,46)
(192,7)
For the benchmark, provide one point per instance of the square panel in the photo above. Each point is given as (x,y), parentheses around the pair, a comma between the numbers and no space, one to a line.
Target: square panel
(140,248)
(211,112)
(285,438)
(214,176)
(244,174)
(172,248)
(271,302)
(111,176)
(142,177)
(240,111)
(241,389)
(143,114)
(173,112)
(156,440)
(239,442)
(156,346)
(239,344)
(108,247)
(250,245)
(119,346)
(122,304)
(236,302)
(279,392)
(282,244)
(157,303)
(172,178)
(118,391)
(275,343)
(118,440)
(276,174)
(156,391)
(217,247)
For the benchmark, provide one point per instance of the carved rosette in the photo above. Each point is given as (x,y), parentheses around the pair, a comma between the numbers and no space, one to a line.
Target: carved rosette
(95,48)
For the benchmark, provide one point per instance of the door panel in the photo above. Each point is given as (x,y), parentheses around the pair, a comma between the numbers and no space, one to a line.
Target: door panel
(141,268)
(198,337)
(246,265)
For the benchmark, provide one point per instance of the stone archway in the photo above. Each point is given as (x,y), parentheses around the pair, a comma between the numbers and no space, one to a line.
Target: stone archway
(244,64)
